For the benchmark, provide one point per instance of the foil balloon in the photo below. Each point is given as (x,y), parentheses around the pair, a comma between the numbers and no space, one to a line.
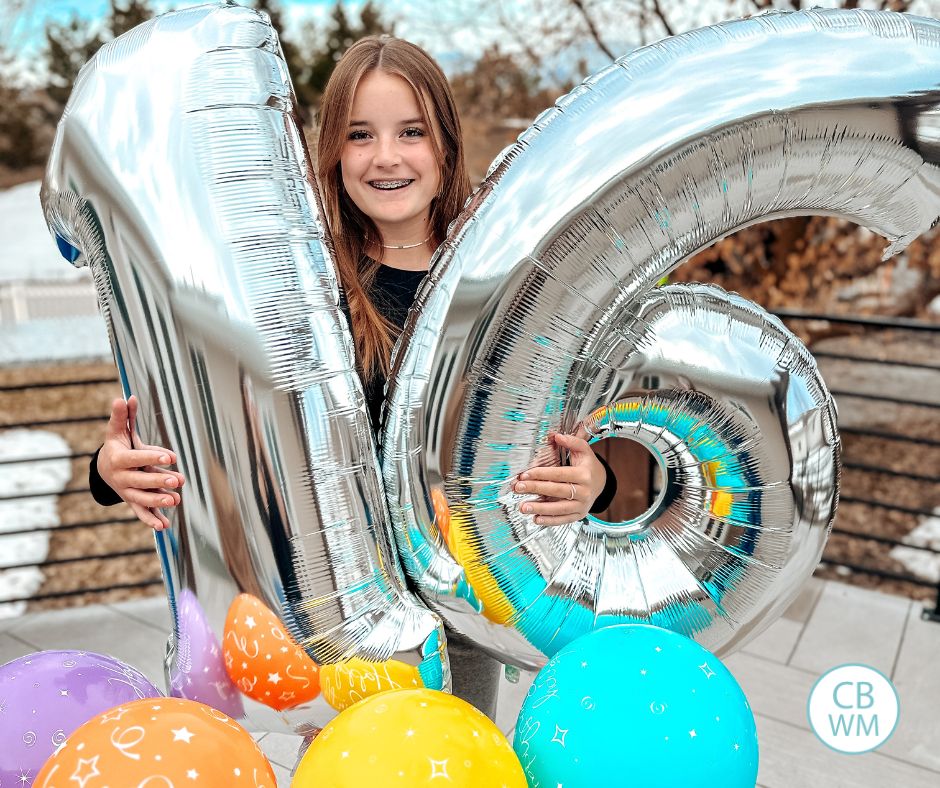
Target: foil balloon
(540,314)
(180,176)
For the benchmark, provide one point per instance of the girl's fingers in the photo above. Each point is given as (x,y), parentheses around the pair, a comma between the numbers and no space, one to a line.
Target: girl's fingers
(552,508)
(180,479)
(570,442)
(152,499)
(132,459)
(548,489)
(117,423)
(148,478)
(153,519)
(553,473)
(165,452)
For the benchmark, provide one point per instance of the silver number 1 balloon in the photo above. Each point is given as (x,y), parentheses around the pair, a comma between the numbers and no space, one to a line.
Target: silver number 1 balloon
(180,176)
(540,315)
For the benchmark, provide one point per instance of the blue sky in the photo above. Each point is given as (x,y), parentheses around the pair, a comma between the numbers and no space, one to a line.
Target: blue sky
(453,31)
(30,17)
(22,22)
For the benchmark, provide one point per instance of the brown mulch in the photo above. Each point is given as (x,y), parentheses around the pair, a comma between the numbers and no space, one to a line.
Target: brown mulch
(77,401)
(94,400)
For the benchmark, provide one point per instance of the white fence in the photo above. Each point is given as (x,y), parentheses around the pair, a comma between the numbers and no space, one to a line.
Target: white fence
(24,301)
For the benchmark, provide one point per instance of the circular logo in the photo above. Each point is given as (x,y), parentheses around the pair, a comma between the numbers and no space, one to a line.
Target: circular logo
(853,708)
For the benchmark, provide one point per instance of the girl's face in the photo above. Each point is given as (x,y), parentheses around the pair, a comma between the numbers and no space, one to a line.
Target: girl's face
(388,162)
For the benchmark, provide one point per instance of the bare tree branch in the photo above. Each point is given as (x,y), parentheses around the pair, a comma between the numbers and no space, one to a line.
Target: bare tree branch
(658,11)
(592,28)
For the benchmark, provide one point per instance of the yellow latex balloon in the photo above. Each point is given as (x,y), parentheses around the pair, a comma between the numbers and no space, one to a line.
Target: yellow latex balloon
(410,738)
(348,682)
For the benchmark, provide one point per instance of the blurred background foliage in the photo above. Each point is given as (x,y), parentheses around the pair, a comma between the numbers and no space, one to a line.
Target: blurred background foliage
(522,55)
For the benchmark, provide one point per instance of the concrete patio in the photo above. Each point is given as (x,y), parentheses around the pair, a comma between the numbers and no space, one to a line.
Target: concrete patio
(829,624)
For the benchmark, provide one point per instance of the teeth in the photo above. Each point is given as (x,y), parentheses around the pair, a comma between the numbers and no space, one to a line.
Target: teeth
(389,184)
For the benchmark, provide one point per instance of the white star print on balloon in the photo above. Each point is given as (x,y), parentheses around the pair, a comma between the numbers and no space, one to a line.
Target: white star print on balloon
(86,769)
(182,734)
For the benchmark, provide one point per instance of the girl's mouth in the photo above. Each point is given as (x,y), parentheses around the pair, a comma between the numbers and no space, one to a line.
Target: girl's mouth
(387,186)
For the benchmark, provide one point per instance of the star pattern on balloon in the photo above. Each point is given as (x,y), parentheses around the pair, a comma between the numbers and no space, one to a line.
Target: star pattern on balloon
(262,659)
(438,769)
(85,770)
(182,734)
(114,715)
(560,734)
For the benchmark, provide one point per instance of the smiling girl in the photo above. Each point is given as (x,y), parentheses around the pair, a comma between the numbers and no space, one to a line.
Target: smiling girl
(392,178)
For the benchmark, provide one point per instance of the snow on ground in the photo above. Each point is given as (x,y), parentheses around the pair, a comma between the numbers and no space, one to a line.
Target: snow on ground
(55,340)
(29,251)
(920,562)
(21,478)
(28,254)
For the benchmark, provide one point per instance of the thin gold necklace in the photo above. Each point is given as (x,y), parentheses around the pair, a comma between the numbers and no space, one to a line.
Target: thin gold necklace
(407,246)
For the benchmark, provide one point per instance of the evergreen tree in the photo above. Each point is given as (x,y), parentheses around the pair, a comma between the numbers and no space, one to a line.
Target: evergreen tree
(125,18)
(341,33)
(19,121)
(70,46)
(291,52)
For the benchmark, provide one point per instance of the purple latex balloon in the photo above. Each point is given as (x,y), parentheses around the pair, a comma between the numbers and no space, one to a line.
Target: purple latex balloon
(47,695)
(198,672)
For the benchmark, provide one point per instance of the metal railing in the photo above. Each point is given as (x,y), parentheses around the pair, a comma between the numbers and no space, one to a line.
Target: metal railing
(850,465)
(930,481)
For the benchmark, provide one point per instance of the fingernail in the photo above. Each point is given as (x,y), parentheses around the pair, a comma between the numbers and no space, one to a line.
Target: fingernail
(164,459)
(538,519)
(523,475)
(171,481)
(527,508)
(168,501)
(520,487)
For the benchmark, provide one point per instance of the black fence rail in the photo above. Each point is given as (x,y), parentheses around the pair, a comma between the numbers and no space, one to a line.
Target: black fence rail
(928,479)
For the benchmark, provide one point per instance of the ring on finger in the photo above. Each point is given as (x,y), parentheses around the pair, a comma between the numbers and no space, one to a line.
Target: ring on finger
(571,485)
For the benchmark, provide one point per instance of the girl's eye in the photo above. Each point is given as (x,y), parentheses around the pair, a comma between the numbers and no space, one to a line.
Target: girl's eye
(358,135)
(413,132)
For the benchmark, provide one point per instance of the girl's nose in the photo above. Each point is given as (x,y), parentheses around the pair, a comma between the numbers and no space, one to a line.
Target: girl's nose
(387,153)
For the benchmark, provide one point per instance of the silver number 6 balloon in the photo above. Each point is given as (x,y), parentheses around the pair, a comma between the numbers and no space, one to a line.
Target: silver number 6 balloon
(540,315)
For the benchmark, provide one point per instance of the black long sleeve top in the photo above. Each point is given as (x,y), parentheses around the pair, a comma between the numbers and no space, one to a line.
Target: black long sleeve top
(393,292)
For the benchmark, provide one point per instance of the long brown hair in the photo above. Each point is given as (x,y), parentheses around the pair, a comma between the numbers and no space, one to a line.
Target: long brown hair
(353,232)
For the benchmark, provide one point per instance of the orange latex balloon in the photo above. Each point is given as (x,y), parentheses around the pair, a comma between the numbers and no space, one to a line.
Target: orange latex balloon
(442,514)
(158,743)
(348,682)
(410,738)
(263,660)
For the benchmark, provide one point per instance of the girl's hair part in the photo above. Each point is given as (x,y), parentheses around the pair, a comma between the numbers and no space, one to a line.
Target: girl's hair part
(353,232)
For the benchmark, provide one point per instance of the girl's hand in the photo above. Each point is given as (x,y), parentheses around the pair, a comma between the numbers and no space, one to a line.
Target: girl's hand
(135,473)
(567,492)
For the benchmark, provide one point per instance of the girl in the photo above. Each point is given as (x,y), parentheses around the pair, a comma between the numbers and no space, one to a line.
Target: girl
(392,177)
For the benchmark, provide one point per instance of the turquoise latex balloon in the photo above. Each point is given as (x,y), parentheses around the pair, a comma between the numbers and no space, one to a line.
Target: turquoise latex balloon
(635,705)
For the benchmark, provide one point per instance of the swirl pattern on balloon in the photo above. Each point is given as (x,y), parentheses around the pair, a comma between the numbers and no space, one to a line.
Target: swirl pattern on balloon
(532,320)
